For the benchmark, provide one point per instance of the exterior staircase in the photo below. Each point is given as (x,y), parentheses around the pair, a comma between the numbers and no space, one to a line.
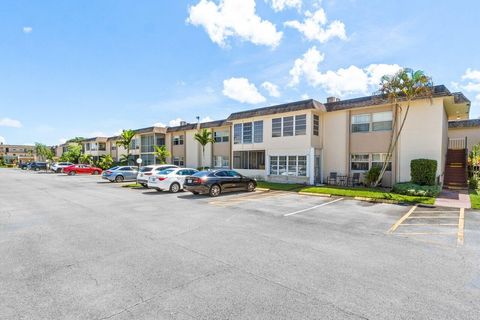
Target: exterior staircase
(456,165)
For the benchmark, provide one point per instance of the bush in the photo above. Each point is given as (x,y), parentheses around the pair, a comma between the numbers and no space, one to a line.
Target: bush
(423,171)
(473,183)
(372,175)
(412,189)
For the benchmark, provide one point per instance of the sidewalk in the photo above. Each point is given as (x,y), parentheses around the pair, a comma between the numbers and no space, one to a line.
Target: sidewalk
(453,199)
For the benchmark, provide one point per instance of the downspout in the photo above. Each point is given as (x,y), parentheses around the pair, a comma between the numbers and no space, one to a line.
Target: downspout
(349,147)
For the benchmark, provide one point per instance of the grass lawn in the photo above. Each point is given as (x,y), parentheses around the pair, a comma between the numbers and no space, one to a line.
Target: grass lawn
(279,186)
(374,193)
(132,185)
(475,199)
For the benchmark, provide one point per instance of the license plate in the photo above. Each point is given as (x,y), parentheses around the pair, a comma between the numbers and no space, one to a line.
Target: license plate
(189,180)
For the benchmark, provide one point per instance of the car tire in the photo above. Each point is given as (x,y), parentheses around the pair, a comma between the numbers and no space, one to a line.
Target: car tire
(195,192)
(215,190)
(158,189)
(95,173)
(144,185)
(58,170)
(119,179)
(72,173)
(174,187)
(251,187)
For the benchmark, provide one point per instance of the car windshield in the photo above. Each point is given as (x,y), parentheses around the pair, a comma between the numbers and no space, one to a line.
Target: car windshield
(146,169)
(201,174)
(165,171)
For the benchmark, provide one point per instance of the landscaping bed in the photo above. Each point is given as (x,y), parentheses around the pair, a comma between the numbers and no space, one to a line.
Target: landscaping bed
(475,199)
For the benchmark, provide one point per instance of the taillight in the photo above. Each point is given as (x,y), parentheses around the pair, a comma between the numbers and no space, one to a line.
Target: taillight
(108,172)
(161,178)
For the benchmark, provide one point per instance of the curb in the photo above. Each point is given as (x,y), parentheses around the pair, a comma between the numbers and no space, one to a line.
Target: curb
(315,194)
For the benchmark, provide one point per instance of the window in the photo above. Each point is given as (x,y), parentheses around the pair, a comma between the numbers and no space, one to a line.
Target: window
(247,132)
(178,161)
(102,146)
(221,162)
(254,160)
(288,126)
(113,147)
(147,143)
(361,123)
(276,127)
(160,141)
(382,121)
(316,125)
(237,133)
(134,144)
(258,131)
(301,125)
(288,165)
(178,140)
(379,158)
(87,147)
(220,136)
(148,159)
(360,162)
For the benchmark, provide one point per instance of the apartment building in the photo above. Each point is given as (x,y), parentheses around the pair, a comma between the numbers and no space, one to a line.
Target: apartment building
(306,141)
(12,153)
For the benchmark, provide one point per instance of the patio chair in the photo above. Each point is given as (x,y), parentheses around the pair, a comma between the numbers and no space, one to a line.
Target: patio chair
(354,180)
(332,178)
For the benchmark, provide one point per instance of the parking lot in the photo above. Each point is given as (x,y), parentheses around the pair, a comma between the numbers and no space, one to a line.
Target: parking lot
(76,247)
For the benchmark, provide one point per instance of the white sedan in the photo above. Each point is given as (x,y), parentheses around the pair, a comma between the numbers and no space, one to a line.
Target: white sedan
(171,179)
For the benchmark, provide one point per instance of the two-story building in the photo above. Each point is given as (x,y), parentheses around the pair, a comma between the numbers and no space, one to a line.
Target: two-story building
(14,153)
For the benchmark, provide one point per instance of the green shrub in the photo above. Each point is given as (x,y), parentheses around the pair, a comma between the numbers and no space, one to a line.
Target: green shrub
(473,183)
(423,171)
(412,189)
(372,175)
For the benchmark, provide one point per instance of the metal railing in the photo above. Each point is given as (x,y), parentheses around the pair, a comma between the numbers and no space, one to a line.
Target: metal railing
(457,143)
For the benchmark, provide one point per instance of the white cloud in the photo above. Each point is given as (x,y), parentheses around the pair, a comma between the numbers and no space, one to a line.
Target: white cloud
(279,5)
(7,122)
(233,18)
(2,140)
(342,82)
(62,140)
(159,124)
(305,96)
(97,134)
(271,88)
(472,84)
(314,27)
(174,122)
(27,30)
(242,90)
(206,119)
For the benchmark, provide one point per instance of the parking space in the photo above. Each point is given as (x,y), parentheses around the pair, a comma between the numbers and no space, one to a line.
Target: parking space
(95,250)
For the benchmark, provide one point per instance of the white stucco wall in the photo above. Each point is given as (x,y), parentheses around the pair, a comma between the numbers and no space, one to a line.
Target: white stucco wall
(192,147)
(335,133)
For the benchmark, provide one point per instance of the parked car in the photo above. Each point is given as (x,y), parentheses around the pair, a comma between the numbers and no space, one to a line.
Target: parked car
(147,171)
(59,166)
(171,179)
(81,169)
(36,166)
(218,181)
(24,165)
(120,174)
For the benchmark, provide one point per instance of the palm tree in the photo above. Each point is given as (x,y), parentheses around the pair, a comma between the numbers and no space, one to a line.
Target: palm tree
(162,153)
(204,137)
(124,159)
(126,138)
(404,86)
(85,159)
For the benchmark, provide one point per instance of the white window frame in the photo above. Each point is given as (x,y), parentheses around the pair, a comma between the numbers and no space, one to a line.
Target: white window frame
(287,166)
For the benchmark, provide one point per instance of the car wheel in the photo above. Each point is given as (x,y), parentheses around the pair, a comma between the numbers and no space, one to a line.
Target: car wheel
(251,187)
(95,173)
(174,187)
(59,170)
(144,185)
(72,173)
(119,179)
(215,190)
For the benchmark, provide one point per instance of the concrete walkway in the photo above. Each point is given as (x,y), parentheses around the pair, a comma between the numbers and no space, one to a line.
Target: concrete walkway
(453,199)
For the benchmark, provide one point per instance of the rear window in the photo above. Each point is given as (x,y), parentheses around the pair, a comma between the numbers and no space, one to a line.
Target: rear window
(114,168)
(201,174)
(146,169)
(166,171)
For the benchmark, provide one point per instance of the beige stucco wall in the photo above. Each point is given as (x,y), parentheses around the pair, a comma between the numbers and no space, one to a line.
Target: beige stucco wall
(335,143)
(369,142)
(422,136)
(222,148)
(472,134)
(192,150)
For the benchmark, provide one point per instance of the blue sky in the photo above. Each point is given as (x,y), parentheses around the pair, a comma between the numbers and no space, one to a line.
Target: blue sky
(86,68)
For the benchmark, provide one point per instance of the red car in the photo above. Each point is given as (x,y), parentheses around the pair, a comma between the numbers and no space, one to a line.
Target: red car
(82,169)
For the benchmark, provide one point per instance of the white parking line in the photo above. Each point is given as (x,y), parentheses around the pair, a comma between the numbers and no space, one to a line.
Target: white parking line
(320,205)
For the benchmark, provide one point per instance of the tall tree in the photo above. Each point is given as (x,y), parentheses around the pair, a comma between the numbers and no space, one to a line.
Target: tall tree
(401,89)
(204,137)
(85,159)
(43,152)
(74,150)
(162,153)
(76,140)
(126,138)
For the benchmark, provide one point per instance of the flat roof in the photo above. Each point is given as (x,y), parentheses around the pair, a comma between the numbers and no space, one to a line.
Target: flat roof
(470,123)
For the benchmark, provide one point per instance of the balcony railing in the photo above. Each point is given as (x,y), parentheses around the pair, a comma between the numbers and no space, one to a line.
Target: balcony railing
(457,143)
